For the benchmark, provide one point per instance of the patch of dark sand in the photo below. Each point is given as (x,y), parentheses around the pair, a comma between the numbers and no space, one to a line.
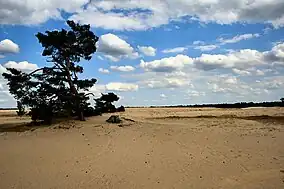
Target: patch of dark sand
(261,118)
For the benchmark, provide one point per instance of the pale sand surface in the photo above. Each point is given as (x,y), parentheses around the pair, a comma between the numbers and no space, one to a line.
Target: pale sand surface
(163,148)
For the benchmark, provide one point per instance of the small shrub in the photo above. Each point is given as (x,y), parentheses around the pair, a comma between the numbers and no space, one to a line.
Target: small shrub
(120,109)
(114,119)
(104,103)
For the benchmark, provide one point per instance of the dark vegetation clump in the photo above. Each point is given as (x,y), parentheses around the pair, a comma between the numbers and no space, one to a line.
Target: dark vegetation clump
(120,109)
(104,103)
(57,91)
(21,109)
(114,119)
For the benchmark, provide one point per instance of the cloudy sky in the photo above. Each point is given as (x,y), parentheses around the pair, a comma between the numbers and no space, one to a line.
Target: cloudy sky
(159,52)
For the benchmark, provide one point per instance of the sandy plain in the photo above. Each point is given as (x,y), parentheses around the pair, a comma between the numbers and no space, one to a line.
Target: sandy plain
(153,148)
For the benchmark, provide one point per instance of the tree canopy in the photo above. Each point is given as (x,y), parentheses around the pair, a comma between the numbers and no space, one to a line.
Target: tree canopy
(57,90)
(104,103)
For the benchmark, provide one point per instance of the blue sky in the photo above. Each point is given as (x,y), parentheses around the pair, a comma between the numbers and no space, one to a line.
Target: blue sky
(159,52)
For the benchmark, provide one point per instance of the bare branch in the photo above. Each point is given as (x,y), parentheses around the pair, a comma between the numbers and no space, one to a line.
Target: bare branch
(37,70)
(40,69)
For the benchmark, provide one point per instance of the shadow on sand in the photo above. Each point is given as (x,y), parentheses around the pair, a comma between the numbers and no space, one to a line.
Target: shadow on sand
(261,118)
(32,126)
(21,127)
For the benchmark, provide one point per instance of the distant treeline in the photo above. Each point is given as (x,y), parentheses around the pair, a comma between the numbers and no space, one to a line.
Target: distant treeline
(8,108)
(223,105)
(227,105)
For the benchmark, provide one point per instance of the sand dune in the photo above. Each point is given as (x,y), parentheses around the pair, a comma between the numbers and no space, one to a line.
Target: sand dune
(163,148)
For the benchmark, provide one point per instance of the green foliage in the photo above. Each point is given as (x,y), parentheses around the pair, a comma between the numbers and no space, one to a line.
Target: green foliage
(282,100)
(109,98)
(104,103)
(120,109)
(56,91)
(21,109)
(64,46)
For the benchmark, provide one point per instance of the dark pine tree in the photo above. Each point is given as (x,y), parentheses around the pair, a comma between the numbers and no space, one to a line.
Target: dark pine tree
(57,90)
(104,103)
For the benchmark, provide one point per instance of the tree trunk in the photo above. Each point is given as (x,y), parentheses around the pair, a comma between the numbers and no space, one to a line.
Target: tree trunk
(74,91)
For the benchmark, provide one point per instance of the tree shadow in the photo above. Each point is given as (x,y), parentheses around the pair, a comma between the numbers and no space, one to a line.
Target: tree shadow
(21,127)
(32,126)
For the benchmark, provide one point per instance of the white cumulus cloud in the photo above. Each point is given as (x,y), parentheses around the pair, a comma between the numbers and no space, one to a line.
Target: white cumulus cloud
(97,90)
(170,82)
(206,47)
(170,64)
(115,48)
(7,100)
(23,66)
(102,70)
(7,46)
(125,15)
(140,15)
(276,55)
(118,86)
(122,68)
(35,12)
(148,51)
(240,59)
(175,50)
